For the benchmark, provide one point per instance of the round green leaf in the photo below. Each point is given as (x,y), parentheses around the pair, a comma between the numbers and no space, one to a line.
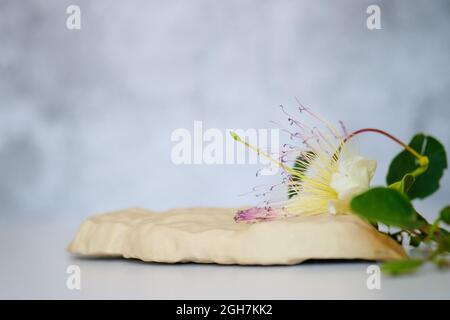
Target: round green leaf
(445,215)
(405,163)
(401,266)
(387,206)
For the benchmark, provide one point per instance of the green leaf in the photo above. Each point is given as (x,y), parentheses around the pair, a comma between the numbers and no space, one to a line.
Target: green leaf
(415,241)
(387,206)
(444,232)
(445,215)
(405,163)
(401,266)
(421,218)
(301,165)
(444,242)
(407,182)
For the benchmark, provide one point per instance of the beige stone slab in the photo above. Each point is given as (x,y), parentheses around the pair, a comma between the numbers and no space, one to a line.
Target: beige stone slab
(210,235)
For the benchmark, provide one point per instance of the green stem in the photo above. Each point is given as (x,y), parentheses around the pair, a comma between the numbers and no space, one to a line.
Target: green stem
(432,229)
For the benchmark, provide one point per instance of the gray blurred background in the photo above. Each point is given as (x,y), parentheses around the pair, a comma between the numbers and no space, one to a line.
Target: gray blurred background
(86,115)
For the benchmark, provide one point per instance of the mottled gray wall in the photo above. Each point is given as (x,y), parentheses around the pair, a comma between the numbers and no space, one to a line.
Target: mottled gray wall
(86,116)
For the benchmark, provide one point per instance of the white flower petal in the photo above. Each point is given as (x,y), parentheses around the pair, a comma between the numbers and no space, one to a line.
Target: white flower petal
(353,176)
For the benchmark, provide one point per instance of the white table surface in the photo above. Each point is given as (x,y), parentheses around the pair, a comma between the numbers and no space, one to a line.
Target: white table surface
(34,261)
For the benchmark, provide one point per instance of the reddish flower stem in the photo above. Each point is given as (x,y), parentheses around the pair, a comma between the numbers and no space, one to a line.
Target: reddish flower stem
(404,145)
